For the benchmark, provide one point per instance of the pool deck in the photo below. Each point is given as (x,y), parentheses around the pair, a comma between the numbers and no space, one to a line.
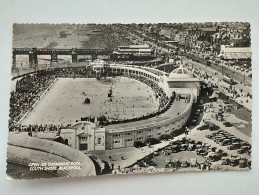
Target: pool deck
(176,107)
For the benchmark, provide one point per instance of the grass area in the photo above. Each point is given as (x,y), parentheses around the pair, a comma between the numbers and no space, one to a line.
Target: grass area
(242,113)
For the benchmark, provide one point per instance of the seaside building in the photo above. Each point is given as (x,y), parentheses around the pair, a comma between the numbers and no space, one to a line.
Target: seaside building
(235,53)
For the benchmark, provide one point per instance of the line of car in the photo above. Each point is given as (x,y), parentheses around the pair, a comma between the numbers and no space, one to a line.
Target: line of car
(210,126)
(207,151)
(225,138)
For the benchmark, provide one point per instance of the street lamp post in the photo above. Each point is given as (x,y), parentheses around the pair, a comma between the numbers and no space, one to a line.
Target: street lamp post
(222,69)
(244,76)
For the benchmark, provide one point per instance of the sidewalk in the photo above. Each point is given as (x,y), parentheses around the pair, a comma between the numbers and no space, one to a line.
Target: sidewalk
(240,100)
(130,155)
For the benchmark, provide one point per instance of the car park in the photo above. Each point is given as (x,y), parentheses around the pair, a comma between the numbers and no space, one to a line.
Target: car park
(213,157)
(224,138)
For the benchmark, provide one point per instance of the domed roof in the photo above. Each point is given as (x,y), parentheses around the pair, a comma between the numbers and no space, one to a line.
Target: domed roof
(180,73)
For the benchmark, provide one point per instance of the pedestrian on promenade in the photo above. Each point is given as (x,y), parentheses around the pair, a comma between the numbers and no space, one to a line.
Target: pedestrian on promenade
(186,130)
(112,166)
(110,158)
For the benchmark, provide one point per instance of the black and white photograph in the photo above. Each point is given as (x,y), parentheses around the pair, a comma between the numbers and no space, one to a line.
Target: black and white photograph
(117,99)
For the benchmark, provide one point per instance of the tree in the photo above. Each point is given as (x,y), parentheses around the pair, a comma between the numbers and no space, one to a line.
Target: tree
(165,137)
(152,141)
(139,144)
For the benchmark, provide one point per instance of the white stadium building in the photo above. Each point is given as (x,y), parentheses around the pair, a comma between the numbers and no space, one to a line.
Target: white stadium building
(88,136)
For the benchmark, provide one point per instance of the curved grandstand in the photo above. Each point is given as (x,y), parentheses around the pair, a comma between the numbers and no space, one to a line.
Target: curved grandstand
(103,133)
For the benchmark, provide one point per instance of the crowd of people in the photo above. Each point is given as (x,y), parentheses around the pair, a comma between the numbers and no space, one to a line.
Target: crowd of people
(102,120)
(31,87)
(163,100)
(37,128)
(28,90)
(108,38)
(158,91)
(72,72)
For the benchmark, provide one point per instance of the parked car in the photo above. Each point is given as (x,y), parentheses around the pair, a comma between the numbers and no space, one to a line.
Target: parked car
(193,162)
(214,127)
(225,142)
(234,146)
(248,152)
(175,148)
(235,140)
(203,127)
(176,132)
(246,148)
(225,161)
(241,151)
(220,140)
(209,136)
(191,147)
(184,163)
(213,157)
(223,154)
(227,124)
(233,162)
(242,163)
(245,144)
(183,147)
